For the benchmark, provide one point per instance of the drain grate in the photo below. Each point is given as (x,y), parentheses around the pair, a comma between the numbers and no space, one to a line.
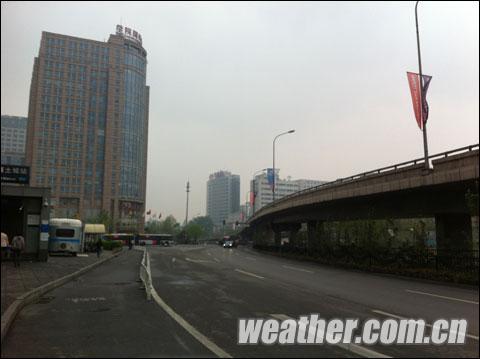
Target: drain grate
(45,300)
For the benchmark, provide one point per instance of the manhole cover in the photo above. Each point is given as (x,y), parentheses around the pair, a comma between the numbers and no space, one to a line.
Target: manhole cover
(101,310)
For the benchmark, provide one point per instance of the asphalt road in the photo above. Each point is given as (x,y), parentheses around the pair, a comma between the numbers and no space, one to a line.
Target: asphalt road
(104,313)
(212,288)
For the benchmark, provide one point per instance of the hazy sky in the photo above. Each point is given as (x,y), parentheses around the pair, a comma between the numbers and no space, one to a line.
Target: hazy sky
(225,78)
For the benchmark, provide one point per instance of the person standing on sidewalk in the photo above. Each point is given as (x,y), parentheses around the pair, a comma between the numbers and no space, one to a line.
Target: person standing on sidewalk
(98,246)
(5,246)
(18,245)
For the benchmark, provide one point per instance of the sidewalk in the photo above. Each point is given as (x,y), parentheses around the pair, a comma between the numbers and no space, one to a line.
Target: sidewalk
(31,274)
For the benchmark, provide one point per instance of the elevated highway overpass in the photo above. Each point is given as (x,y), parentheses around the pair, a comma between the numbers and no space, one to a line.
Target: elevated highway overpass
(448,192)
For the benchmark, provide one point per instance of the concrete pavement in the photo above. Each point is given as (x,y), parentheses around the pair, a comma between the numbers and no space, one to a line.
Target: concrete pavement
(32,274)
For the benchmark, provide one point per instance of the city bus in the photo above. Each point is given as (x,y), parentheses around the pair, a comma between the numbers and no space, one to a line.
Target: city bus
(123,237)
(155,239)
(65,236)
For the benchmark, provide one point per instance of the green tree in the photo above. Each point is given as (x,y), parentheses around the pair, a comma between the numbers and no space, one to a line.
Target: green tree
(194,231)
(206,223)
(168,226)
(104,218)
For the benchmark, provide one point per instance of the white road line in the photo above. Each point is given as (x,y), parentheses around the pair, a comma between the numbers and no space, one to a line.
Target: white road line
(189,328)
(198,260)
(426,324)
(442,296)
(215,349)
(209,253)
(354,348)
(250,274)
(252,259)
(216,260)
(298,269)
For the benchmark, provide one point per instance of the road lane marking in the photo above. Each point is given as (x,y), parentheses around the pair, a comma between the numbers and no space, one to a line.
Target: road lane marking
(426,324)
(210,345)
(250,274)
(189,328)
(198,260)
(209,253)
(298,269)
(354,348)
(442,296)
(252,259)
(216,260)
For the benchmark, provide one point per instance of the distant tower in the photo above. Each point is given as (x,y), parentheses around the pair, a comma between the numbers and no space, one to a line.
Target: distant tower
(186,214)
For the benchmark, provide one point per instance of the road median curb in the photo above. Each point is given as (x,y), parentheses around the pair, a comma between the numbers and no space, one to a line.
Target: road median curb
(25,299)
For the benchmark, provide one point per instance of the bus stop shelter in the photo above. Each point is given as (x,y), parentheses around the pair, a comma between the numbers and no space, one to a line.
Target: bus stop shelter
(26,212)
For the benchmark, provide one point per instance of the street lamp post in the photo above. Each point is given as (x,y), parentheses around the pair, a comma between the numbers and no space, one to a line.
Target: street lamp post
(273,187)
(423,119)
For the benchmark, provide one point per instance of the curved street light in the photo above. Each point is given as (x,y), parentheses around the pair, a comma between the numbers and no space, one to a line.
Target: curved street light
(273,187)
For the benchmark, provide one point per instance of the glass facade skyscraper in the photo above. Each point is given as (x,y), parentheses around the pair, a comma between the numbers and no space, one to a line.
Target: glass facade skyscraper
(87,138)
(14,135)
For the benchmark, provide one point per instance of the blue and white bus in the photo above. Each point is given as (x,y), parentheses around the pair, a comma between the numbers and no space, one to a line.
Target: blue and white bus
(65,236)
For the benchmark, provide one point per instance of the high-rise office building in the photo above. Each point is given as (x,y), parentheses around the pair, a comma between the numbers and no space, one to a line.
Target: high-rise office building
(14,136)
(88,126)
(223,196)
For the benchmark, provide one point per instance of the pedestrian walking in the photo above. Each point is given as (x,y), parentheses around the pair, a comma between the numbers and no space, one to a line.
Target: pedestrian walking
(130,244)
(5,246)
(18,245)
(98,247)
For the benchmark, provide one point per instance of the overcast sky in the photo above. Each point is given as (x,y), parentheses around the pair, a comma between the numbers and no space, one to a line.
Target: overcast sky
(225,78)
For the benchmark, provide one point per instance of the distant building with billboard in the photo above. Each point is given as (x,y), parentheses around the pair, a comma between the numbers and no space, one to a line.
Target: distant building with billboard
(262,189)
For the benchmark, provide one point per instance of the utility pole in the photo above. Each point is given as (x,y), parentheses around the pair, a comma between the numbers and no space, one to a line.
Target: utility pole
(423,119)
(186,213)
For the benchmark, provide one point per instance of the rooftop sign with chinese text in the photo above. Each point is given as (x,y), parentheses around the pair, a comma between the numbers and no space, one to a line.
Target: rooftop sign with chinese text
(128,33)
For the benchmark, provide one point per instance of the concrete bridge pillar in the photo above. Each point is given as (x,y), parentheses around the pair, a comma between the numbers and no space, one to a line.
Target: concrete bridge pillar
(294,228)
(454,231)
(277,235)
(312,235)
(475,232)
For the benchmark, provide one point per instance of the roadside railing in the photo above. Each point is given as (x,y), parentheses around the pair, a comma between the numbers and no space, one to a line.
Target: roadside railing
(394,167)
(448,265)
(145,272)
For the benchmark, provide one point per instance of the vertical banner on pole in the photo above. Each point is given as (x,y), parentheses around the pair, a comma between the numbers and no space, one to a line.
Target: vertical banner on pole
(421,111)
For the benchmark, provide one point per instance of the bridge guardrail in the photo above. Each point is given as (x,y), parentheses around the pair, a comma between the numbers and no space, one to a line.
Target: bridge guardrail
(394,167)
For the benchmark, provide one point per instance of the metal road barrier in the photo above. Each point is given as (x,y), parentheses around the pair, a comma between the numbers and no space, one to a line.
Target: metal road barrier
(145,272)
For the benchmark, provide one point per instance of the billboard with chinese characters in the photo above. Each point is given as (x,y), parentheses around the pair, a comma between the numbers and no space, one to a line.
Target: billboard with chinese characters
(15,174)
